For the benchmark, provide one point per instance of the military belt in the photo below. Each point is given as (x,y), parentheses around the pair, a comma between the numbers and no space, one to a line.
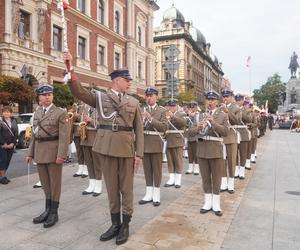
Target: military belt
(238,126)
(210,138)
(49,138)
(147,132)
(114,127)
(174,131)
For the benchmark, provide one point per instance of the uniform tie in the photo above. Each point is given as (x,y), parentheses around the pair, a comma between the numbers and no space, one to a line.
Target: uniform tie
(120,97)
(44,111)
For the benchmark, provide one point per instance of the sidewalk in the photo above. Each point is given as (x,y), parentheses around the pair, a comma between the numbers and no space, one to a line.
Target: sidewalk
(256,217)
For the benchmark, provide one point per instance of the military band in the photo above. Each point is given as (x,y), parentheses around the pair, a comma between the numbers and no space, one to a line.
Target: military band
(116,134)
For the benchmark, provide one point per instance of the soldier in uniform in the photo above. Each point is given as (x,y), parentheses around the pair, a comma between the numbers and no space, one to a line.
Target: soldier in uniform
(175,143)
(248,120)
(211,151)
(245,137)
(155,124)
(49,147)
(82,167)
(119,143)
(192,118)
(91,158)
(255,132)
(231,140)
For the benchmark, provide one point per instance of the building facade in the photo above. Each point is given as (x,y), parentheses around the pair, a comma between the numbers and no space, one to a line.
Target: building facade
(199,70)
(103,35)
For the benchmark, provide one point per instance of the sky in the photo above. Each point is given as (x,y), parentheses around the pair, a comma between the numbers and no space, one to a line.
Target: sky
(266,30)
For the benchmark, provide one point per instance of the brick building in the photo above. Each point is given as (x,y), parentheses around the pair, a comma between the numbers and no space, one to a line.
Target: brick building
(102,35)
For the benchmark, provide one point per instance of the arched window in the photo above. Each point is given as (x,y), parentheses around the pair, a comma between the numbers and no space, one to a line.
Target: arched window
(101,11)
(117,21)
(139,35)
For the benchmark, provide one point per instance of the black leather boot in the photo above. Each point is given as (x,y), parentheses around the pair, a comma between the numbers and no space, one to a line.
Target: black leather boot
(43,216)
(124,230)
(114,228)
(53,216)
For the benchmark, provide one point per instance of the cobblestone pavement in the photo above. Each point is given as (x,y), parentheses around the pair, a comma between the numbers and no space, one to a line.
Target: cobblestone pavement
(177,223)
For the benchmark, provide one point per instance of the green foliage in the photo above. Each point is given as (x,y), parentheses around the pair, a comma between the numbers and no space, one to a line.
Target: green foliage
(15,90)
(62,95)
(186,96)
(270,91)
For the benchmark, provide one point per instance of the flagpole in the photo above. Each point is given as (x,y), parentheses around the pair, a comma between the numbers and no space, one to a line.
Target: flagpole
(250,80)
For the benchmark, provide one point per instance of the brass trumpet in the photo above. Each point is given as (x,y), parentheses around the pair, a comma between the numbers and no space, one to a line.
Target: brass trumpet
(70,115)
(82,130)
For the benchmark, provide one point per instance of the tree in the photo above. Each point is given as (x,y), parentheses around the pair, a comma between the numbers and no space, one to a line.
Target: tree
(270,91)
(15,90)
(62,95)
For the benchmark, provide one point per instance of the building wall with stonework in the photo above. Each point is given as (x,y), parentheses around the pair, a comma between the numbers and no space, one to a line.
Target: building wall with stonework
(199,70)
(102,35)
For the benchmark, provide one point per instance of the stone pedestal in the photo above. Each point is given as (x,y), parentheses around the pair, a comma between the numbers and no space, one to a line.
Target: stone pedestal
(292,95)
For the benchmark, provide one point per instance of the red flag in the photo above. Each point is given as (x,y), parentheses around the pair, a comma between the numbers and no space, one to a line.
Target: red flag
(248,61)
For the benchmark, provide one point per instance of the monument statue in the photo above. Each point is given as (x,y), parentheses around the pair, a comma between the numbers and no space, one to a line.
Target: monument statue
(294,65)
(293,96)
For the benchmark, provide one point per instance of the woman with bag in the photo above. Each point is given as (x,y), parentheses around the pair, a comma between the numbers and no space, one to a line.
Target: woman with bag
(8,140)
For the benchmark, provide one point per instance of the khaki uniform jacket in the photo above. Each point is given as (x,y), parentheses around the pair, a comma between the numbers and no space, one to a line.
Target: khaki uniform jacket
(124,144)
(212,149)
(254,124)
(246,118)
(153,143)
(235,118)
(176,140)
(56,123)
(194,119)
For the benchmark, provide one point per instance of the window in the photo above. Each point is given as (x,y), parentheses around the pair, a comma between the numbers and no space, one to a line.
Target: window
(117,22)
(24,25)
(101,55)
(81,47)
(117,60)
(81,5)
(101,11)
(139,35)
(140,65)
(57,38)
(167,75)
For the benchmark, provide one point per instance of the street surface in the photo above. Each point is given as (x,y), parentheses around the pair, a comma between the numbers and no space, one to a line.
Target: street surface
(263,213)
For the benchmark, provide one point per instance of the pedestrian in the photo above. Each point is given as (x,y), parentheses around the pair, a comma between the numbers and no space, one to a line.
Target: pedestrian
(155,124)
(119,143)
(8,141)
(48,148)
(270,121)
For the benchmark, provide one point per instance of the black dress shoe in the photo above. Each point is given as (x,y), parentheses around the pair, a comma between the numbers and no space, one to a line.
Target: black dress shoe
(204,211)
(253,162)
(4,181)
(86,193)
(51,220)
(196,173)
(156,203)
(96,194)
(218,213)
(230,191)
(143,202)
(84,175)
(76,175)
(236,176)
(37,186)
(188,172)
(168,185)
(242,177)
(223,190)
(177,186)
